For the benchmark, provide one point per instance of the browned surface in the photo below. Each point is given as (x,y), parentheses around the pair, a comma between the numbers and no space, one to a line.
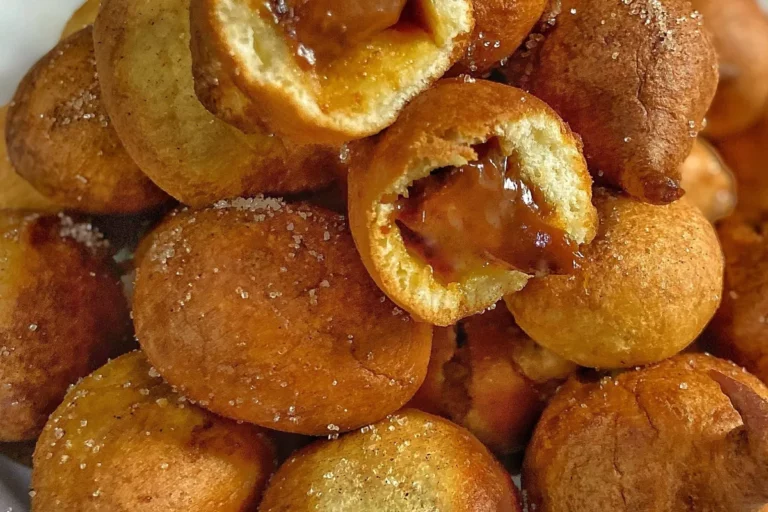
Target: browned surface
(500,27)
(435,128)
(739,330)
(263,312)
(487,375)
(409,462)
(634,79)
(662,439)
(15,192)
(124,441)
(62,141)
(144,63)
(708,182)
(740,34)
(745,153)
(650,282)
(61,312)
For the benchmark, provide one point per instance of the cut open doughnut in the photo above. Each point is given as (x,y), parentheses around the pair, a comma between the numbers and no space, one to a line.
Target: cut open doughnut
(505,179)
(319,77)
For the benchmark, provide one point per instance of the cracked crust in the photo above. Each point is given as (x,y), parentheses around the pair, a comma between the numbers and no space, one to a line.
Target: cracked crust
(633,79)
(144,63)
(409,462)
(438,130)
(62,312)
(124,440)
(651,280)
(262,312)
(659,439)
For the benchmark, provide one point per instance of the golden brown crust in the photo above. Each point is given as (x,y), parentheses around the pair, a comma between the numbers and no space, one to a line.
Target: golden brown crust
(487,375)
(142,53)
(634,79)
(61,311)
(708,182)
(745,154)
(650,282)
(660,439)
(270,303)
(62,141)
(438,130)
(15,192)
(409,462)
(739,30)
(123,440)
(355,95)
(500,27)
(739,330)
(83,17)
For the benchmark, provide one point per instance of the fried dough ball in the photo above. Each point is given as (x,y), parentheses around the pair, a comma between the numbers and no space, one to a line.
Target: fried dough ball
(745,153)
(686,434)
(61,140)
(500,27)
(123,440)
(409,462)
(648,285)
(83,17)
(61,312)
(740,33)
(739,330)
(633,78)
(15,192)
(477,187)
(327,71)
(487,375)
(262,311)
(145,68)
(708,182)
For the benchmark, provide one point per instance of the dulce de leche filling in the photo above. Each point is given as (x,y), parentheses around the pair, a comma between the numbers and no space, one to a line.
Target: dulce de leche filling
(322,29)
(483,211)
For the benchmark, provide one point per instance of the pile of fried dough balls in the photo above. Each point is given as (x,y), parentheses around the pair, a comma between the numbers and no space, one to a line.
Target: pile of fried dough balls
(384,256)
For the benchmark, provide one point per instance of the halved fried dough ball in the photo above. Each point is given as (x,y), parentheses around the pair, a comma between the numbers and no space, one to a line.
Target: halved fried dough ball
(740,33)
(745,153)
(83,17)
(263,312)
(477,187)
(123,440)
(409,462)
(687,434)
(633,78)
(487,375)
(708,182)
(61,312)
(145,68)
(326,71)
(500,27)
(739,330)
(15,192)
(61,140)
(648,285)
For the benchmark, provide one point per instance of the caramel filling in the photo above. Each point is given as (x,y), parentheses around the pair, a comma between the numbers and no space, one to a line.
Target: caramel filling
(483,211)
(320,30)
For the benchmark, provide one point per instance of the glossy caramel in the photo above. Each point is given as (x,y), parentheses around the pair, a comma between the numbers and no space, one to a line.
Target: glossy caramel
(487,210)
(322,29)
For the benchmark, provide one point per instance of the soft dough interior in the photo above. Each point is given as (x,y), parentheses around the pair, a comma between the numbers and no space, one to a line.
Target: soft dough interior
(370,77)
